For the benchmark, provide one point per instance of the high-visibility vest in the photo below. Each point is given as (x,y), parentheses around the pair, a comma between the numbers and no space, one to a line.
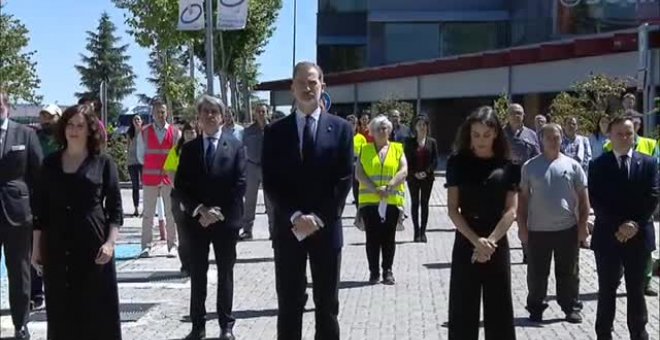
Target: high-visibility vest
(358,141)
(645,146)
(381,174)
(155,154)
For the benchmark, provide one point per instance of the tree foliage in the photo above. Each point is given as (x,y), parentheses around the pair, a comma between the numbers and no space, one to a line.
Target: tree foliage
(588,100)
(106,62)
(406,109)
(18,74)
(501,107)
(168,75)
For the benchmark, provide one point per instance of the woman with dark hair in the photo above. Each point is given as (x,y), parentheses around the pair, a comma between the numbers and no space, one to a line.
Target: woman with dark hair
(189,132)
(134,166)
(422,155)
(78,215)
(599,137)
(481,201)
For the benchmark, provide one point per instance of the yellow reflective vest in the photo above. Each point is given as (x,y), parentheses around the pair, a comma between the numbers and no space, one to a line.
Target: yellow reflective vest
(359,140)
(645,146)
(381,174)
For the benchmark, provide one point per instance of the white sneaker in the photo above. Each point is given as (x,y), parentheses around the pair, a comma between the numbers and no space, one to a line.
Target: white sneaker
(173,252)
(145,253)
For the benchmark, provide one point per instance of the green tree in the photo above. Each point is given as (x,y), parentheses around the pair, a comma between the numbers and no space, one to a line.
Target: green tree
(501,106)
(588,100)
(106,62)
(406,109)
(172,83)
(18,75)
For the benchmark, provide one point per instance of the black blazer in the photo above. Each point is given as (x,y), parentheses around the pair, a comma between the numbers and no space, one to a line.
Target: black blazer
(410,149)
(616,199)
(19,168)
(223,186)
(320,189)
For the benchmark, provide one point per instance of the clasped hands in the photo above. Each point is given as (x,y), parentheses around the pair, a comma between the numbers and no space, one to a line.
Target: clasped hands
(484,248)
(420,175)
(306,225)
(210,216)
(626,231)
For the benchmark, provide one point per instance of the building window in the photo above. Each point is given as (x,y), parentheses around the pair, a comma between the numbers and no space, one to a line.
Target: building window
(342,5)
(338,58)
(408,42)
(467,37)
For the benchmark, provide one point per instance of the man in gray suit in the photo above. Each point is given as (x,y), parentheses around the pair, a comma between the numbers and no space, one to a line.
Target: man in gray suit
(20,159)
(253,139)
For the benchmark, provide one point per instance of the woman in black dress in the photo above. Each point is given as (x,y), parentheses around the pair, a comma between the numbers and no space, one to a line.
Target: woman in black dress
(78,216)
(422,155)
(481,200)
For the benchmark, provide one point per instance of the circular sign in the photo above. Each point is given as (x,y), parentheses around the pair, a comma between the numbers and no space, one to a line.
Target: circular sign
(327,102)
(570,3)
(191,13)
(232,3)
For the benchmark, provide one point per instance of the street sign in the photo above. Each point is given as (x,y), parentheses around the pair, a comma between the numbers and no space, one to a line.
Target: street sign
(327,101)
(232,14)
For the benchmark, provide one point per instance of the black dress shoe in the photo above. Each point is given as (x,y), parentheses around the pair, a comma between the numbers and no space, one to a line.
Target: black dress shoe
(388,278)
(422,238)
(22,334)
(373,277)
(649,291)
(198,333)
(245,236)
(226,334)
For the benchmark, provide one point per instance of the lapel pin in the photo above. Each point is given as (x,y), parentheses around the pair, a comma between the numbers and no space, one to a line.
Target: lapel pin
(330,128)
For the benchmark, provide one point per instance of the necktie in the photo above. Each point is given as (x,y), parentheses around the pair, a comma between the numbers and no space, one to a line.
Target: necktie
(308,139)
(210,152)
(623,166)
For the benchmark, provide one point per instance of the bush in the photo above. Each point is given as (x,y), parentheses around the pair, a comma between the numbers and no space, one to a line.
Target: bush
(117,149)
(391,103)
(588,100)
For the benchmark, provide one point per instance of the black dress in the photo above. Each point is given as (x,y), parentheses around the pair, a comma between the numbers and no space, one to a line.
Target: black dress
(75,212)
(483,185)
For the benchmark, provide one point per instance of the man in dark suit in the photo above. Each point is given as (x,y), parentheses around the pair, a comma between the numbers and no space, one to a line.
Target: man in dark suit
(20,159)
(210,182)
(623,188)
(307,174)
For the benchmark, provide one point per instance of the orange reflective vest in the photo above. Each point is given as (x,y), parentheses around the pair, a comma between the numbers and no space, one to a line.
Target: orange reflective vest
(155,154)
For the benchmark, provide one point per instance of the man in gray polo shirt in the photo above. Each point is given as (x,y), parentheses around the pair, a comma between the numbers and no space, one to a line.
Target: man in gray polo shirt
(253,137)
(552,219)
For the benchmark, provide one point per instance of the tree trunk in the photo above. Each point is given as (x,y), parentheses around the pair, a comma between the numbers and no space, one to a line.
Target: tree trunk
(223,89)
(247,102)
(234,97)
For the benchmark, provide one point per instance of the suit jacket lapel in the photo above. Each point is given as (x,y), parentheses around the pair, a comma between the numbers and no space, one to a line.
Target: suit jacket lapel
(9,137)
(322,129)
(292,126)
(635,165)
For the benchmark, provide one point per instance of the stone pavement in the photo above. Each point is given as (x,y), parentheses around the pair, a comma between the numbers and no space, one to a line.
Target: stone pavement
(415,308)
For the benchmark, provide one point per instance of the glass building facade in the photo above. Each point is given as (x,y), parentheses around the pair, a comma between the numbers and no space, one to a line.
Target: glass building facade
(353,34)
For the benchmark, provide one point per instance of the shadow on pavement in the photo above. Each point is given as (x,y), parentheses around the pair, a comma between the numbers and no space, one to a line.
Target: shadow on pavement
(364,243)
(248,260)
(245,314)
(522,322)
(447,265)
(588,296)
(450,230)
(348,284)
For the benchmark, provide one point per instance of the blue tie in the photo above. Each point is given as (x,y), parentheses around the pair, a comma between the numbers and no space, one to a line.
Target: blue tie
(308,139)
(210,153)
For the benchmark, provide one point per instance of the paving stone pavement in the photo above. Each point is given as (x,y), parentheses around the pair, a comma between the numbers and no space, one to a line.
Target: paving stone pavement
(415,308)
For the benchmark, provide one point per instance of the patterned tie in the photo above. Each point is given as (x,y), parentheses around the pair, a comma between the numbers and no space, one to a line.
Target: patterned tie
(210,153)
(308,139)
(624,167)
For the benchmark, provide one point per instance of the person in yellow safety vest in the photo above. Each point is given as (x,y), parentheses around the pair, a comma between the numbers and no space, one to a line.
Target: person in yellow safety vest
(381,170)
(358,141)
(189,132)
(649,147)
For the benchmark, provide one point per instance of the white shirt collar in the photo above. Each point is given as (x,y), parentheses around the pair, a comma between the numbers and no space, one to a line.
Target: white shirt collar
(618,155)
(216,136)
(316,114)
(5,124)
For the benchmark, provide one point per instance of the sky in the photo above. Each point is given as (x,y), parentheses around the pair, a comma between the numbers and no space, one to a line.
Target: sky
(58,36)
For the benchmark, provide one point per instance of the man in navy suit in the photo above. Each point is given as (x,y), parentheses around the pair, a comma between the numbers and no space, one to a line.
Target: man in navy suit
(307,174)
(210,183)
(623,188)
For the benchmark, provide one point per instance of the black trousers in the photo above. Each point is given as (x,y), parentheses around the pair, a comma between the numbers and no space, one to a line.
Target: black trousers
(291,282)
(17,243)
(609,263)
(540,249)
(224,246)
(135,172)
(420,195)
(381,235)
(183,223)
(356,191)
(467,284)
